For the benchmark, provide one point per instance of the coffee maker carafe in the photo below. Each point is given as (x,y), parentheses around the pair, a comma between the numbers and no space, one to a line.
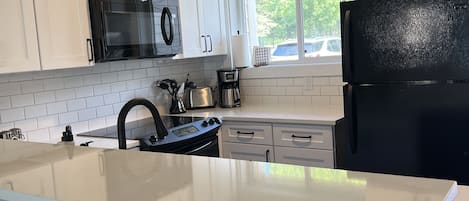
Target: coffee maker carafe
(228,85)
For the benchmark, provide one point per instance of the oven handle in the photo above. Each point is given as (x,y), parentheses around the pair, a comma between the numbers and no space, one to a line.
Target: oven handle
(200,148)
(167,13)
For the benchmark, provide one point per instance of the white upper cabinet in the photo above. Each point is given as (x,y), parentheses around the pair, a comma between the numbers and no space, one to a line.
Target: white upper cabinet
(44,34)
(64,33)
(202,28)
(18,40)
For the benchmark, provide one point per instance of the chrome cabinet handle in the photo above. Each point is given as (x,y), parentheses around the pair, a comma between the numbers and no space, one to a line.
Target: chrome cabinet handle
(267,155)
(245,133)
(89,49)
(205,39)
(211,45)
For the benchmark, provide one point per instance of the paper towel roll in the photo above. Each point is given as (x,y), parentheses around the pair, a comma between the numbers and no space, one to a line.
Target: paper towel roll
(241,51)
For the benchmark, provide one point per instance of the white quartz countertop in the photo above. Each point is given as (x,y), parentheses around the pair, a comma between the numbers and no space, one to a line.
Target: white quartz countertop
(97,142)
(64,172)
(319,114)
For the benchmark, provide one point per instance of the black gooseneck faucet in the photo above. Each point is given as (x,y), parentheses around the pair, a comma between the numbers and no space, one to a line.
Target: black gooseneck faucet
(160,128)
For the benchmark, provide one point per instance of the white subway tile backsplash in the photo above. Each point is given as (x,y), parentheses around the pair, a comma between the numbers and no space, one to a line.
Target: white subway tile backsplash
(77,104)
(302,100)
(269,82)
(283,100)
(54,84)
(65,94)
(96,124)
(337,100)
(84,92)
(42,103)
(92,79)
(44,97)
(270,100)
(278,91)
(102,89)
(26,125)
(124,75)
(95,101)
(32,86)
(330,90)
(7,116)
(56,108)
(336,81)
(294,91)
(35,111)
(105,111)
(320,81)
(140,73)
(118,86)
(67,118)
(109,77)
(315,91)
(5,103)
(320,100)
(111,98)
(72,82)
(87,114)
(48,121)
(8,126)
(8,89)
(285,82)
(22,100)
(300,81)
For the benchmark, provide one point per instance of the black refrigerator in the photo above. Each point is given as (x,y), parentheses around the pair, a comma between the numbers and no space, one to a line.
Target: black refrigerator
(406,101)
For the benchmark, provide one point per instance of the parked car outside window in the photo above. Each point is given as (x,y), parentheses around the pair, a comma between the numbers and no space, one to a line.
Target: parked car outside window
(314,48)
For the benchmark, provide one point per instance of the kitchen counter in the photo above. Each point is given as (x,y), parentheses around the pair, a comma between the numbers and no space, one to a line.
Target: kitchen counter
(63,172)
(319,114)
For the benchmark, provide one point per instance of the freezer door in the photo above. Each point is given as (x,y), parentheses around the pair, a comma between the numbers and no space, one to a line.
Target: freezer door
(405,40)
(417,130)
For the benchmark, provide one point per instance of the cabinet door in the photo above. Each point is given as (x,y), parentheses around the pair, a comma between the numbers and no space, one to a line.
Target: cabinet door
(37,181)
(248,152)
(64,33)
(213,26)
(304,157)
(18,40)
(192,42)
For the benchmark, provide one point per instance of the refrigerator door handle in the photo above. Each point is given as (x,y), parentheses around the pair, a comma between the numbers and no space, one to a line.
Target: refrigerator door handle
(350,118)
(346,52)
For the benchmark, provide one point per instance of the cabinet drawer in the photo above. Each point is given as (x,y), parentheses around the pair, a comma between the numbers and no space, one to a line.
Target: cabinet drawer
(249,152)
(303,136)
(243,132)
(304,157)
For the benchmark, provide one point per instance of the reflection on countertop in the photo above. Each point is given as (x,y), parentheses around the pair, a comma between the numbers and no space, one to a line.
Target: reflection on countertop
(313,114)
(65,172)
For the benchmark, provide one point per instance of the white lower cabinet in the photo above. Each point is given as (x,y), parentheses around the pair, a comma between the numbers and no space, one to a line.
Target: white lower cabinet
(304,157)
(248,152)
(297,144)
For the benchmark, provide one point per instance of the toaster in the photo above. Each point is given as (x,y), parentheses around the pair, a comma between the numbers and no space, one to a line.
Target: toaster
(200,98)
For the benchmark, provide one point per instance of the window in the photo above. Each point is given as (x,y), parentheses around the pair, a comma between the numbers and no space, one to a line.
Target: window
(298,31)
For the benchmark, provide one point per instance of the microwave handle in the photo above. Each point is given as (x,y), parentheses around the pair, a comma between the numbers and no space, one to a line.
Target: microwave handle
(167,13)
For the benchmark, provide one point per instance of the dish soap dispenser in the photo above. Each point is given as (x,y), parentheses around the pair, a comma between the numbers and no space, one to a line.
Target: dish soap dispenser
(67,136)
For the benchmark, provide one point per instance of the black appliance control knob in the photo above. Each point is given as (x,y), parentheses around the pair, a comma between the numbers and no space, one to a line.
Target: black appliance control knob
(211,121)
(153,139)
(204,124)
(216,120)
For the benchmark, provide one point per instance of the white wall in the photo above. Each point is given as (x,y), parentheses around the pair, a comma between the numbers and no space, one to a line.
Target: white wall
(43,103)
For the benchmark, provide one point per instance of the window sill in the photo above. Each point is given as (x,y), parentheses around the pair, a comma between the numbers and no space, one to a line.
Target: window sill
(292,70)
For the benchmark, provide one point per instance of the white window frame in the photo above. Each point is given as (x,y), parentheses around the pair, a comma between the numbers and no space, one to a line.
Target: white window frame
(324,66)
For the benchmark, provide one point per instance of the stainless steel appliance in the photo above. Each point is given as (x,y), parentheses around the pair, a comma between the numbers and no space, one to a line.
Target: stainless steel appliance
(12,134)
(200,98)
(228,84)
(170,134)
(406,102)
(128,29)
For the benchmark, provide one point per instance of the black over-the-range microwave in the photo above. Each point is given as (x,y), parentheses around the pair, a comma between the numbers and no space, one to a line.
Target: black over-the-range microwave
(131,29)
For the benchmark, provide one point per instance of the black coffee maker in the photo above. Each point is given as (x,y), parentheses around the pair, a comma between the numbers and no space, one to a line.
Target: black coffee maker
(228,85)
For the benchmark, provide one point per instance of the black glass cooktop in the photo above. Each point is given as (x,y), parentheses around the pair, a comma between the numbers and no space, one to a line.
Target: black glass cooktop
(139,129)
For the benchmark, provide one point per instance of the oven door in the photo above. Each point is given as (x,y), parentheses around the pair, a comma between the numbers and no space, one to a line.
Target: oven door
(124,29)
(206,148)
